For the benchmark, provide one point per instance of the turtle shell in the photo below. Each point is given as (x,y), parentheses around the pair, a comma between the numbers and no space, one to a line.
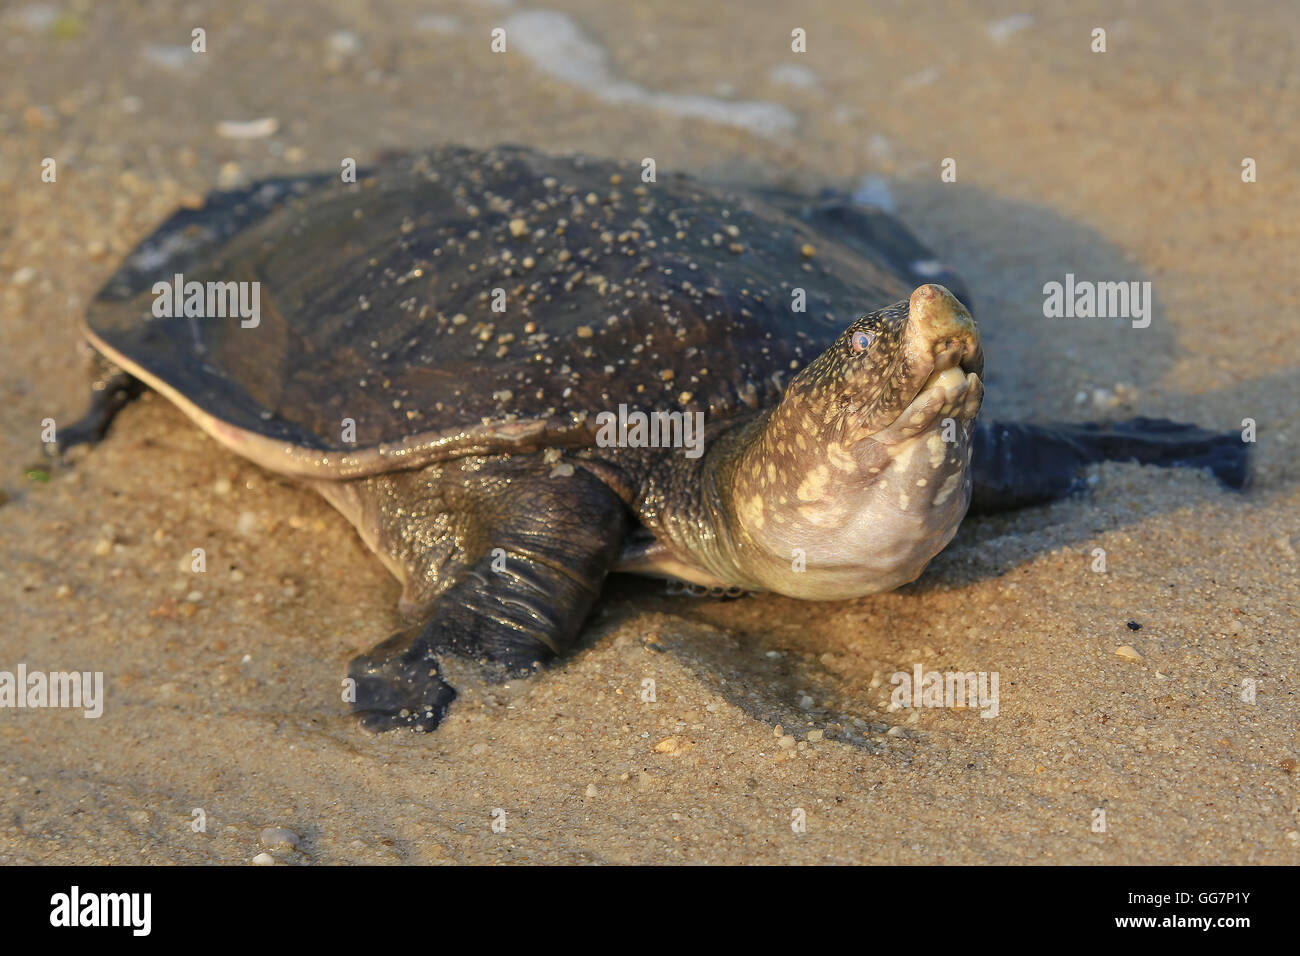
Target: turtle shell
(466,302)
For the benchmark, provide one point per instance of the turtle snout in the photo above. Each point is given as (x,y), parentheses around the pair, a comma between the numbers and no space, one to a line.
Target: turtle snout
(941,328)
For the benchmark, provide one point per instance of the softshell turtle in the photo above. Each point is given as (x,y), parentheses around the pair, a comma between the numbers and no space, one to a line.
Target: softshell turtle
(456,350)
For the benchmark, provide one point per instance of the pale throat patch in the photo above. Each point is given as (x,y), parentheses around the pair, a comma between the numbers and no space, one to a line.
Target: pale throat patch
(860,523)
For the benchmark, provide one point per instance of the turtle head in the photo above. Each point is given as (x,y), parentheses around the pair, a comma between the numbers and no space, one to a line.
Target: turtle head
(891,374)
(861,474)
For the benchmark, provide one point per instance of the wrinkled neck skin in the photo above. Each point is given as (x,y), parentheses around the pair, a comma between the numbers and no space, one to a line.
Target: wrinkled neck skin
(684,503)
(784,503)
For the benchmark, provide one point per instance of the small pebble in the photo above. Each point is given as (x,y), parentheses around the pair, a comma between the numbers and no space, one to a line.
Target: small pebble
(344,43)
(259,128)
(671,745)
(273,837)
(1128,653)
(230,175)
(875,191)
(264,859)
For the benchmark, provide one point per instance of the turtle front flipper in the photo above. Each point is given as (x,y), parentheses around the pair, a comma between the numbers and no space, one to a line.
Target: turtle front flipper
(529,563)
(1016,465)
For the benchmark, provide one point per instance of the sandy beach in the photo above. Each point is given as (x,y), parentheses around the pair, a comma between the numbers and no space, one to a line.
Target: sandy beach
(222,690)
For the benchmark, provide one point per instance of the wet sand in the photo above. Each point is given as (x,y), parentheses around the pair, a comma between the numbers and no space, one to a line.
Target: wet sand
(222,689)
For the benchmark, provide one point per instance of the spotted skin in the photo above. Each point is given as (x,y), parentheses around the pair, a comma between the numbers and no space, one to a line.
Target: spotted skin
(842,446)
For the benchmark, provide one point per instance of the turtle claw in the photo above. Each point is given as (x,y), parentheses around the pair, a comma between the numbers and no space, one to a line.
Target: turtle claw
(399,691)
(686,589)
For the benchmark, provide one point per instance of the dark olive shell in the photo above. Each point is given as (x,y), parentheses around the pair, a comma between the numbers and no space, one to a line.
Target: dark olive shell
(376,299)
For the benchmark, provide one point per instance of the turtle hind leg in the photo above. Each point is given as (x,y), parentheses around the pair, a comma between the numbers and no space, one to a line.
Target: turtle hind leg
(534,553)
(1157,441)
(1015,465)
(111,391)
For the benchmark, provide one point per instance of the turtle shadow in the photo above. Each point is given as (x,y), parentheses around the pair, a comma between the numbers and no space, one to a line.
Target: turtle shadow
(1034,364)
(741,661)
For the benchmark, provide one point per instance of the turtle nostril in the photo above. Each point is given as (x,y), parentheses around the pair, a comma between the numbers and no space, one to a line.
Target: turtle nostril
(934,313)
(940,326)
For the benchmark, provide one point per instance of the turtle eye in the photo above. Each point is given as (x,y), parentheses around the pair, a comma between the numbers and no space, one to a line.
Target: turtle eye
(861,341)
